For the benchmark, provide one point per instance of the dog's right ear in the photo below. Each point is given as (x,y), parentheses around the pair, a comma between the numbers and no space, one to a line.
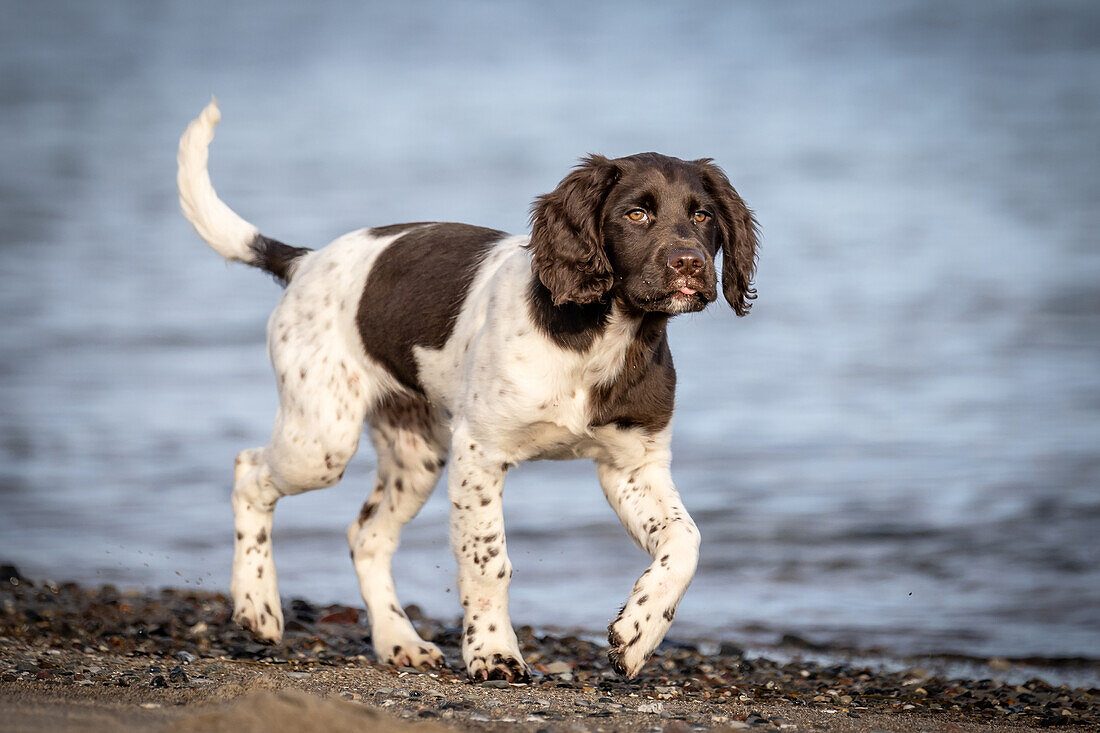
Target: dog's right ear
(566,241)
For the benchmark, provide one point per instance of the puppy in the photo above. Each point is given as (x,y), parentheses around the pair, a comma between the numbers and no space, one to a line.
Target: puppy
(458,343)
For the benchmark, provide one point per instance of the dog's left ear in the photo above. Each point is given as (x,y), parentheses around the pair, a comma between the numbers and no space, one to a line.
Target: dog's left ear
(566,241)
(737,231)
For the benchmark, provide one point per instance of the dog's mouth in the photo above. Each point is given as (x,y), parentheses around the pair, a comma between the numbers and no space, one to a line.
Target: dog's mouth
(674,295)
(681,297)
(688,288)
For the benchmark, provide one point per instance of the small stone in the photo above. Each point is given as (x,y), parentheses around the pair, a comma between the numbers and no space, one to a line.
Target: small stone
(498,684)
(341,616)
(651,707)
(727,649)
(186,657)
(558,667)
(10,574)
(177,675)
(158,681)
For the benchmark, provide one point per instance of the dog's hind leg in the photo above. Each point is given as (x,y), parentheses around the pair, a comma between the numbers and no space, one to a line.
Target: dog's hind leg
(299,458)
(411,444)
(324,394)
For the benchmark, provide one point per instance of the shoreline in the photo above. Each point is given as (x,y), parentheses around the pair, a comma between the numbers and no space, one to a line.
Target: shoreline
(104,659)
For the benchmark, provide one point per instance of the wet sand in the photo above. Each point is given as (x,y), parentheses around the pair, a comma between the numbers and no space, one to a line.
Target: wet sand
(100,659)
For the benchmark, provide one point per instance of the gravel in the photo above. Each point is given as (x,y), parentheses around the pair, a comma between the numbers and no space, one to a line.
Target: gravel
(180,648)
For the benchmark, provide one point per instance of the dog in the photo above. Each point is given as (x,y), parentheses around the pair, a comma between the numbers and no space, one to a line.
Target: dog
(461,344)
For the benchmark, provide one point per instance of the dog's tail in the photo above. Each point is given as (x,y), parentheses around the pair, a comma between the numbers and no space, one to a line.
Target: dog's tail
(223,229)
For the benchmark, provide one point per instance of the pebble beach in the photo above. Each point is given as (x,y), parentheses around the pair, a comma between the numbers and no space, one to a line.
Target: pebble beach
(83,658)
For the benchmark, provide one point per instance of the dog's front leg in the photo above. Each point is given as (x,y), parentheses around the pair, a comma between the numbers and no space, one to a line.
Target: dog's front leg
(638,485)
(475,483)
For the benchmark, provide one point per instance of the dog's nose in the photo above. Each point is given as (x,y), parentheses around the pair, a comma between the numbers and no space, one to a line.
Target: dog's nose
(687,262)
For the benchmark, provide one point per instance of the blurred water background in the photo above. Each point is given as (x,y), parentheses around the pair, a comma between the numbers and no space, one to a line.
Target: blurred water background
(897,449)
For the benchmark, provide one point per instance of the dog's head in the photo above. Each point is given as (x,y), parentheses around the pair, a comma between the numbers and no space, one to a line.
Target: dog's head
(645,229)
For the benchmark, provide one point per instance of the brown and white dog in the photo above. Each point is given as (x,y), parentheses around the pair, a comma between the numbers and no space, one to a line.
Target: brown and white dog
(455,341)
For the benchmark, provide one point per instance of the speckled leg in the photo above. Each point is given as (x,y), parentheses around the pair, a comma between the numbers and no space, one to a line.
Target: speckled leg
(638,485)
(253,587)
(411,455)
(324,391)
(476,480)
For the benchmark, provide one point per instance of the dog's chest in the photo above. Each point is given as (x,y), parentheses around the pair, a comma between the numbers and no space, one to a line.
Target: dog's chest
(546,401)
(511,382)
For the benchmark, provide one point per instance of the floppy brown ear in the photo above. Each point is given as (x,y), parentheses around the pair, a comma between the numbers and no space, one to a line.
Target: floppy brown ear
(738,232)
(566,242)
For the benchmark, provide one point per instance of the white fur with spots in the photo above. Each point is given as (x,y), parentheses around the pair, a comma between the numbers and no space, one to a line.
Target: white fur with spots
(326,385)
(638,484)
(409,464)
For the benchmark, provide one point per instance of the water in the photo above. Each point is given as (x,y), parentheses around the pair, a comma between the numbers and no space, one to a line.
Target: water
(897,449)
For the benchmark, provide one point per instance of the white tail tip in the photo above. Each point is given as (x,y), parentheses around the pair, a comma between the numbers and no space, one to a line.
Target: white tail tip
(220,226)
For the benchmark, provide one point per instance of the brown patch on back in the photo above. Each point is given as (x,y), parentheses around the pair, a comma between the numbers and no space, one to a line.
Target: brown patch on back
(416,289)
(392,229)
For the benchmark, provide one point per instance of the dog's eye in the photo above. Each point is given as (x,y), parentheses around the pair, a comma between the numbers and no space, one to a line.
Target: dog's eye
(700,216)
(637,215)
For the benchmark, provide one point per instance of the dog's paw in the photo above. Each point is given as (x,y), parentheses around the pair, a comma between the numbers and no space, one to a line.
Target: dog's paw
(262,619)
(498,666)
(418,654)
(629,653)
